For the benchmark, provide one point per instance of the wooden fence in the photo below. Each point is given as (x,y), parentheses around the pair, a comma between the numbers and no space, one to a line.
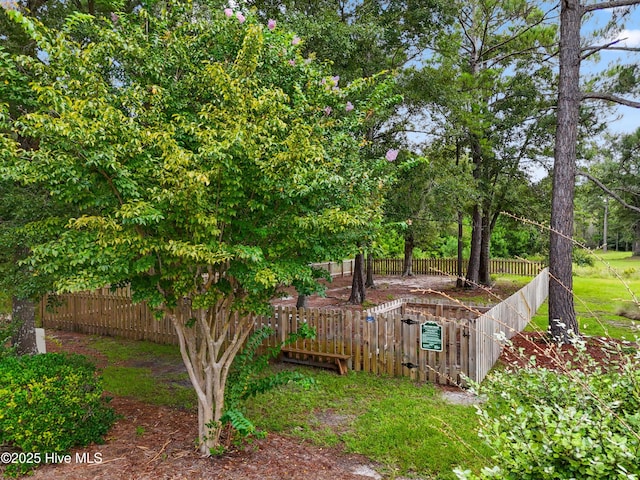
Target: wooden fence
(434,266)
(505,320)
(382,340)
(105,312)
(449,266)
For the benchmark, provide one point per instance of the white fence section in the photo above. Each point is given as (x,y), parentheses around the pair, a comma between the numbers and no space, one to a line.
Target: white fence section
(504,321)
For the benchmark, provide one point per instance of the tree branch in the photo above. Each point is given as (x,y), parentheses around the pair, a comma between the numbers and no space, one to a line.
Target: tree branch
(610,4)
(607,46)
(610,98)
(609,192)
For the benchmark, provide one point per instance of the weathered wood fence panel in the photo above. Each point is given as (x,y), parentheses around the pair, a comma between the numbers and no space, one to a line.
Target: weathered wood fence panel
(382,340)
(105,312)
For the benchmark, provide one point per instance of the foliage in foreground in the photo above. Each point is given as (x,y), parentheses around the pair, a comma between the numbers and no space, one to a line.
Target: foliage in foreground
(581,424)
(50,403)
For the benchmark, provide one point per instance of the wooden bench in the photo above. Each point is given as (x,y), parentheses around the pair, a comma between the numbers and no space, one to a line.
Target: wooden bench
(339,358)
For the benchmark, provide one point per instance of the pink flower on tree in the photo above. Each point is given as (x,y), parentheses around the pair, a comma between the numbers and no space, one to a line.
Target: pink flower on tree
(240,17)
(327,111)
(228,12)
(391,155)
(271,24)
(349,107)
(292,62)
(295,41)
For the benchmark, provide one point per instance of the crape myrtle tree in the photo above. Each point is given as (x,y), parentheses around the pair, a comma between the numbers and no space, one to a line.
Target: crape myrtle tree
(209,161)
(617,82)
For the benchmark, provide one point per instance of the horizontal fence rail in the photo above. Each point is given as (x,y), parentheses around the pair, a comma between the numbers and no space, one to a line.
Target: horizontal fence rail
(386,339)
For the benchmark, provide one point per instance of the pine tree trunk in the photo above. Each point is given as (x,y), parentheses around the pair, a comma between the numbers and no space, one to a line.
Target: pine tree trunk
(484,273)
(636,241)
(409,244)
(23,313)
(473,270)
(562,316)
(358,291)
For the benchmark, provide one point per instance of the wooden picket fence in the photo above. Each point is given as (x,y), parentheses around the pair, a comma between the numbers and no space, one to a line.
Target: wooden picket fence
(105,312)
(434,266)
(383,340)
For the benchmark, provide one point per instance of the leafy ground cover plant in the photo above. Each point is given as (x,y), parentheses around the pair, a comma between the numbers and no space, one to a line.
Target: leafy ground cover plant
(48,404)
(250,376)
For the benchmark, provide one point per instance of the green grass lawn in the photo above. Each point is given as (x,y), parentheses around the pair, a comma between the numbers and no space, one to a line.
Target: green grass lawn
(146,371)
(404,426)
(606,296)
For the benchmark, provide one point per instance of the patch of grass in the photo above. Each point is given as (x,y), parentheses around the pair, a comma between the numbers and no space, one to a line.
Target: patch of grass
(121,349)
(140,383)
(146,371)
(604,297)
(393,421)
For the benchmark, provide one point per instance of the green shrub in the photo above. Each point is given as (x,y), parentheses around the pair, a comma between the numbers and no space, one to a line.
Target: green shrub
(583,258)
(50,403)
(7,331)
(581,424)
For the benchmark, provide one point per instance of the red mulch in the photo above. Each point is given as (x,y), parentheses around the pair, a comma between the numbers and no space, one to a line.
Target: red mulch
(605,351)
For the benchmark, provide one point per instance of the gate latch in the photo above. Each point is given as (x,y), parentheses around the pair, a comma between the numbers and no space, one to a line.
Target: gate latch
(409,321)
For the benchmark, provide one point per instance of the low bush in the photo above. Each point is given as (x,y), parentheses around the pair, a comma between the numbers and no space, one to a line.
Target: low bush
(582,424)
(50,403)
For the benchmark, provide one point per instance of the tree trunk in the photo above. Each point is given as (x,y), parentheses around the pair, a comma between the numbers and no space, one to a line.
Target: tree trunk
(23,314)
(369,283)
(473,270)
(562,316)
(358,291)
(488,224)
(409,244)
(636,240)
(484,273)
(208,352)
(459,274)
(303,301)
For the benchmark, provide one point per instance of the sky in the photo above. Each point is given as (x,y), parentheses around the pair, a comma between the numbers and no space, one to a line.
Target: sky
(629,119)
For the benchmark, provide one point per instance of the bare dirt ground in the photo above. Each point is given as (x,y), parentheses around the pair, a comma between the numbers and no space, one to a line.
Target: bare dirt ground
(152,442)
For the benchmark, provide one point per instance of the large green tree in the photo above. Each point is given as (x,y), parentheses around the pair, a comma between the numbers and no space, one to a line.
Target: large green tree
(210,164)
(488,86)
(361,38)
